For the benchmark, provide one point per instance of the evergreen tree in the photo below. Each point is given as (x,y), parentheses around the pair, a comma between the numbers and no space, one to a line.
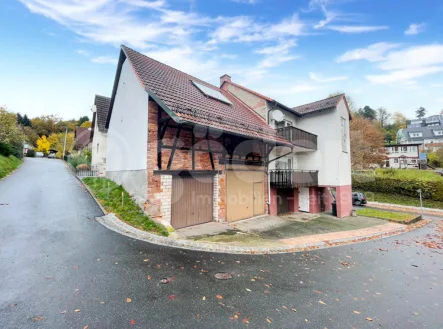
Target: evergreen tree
(19,119)
(26,122)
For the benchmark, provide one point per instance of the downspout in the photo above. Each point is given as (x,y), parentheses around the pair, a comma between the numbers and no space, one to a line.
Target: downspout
(267,165)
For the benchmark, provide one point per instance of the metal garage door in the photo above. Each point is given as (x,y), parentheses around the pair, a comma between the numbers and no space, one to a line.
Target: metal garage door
(192,200)
(245,194)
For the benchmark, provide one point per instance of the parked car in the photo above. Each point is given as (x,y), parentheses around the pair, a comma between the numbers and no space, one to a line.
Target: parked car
(358,199)
(51,156)
(39,154)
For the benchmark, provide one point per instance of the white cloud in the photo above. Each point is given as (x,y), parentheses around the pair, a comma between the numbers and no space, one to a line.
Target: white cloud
(413,57)
(276,55)
(82,52)
(414,29)
(105,60)
(373,53)
(229,56)
(245,29)
(356,28)
(406,75)
(321,79)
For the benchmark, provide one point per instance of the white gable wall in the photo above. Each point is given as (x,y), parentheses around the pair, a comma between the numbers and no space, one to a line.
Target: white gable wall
(333,164)
(99,150)
(126,154)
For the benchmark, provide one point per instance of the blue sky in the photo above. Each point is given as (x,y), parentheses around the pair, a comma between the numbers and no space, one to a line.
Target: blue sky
(57,54)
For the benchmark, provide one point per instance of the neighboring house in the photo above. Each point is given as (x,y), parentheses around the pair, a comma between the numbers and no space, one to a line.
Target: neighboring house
(82,138)
(301,178)
(428,132)
(99,132)
(192,153)
(26,147)
(402,156)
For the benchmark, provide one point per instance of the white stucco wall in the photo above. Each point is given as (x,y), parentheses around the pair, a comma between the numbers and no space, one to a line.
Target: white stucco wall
(333,164)
(127,137)
(98,149)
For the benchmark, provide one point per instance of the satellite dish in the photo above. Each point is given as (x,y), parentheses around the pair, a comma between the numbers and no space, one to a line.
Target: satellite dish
(278,115)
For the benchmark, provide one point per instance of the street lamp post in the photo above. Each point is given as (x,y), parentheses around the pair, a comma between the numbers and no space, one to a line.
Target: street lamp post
(421,202)
(64,145)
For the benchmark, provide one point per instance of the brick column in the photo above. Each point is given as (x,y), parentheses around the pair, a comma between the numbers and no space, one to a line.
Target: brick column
(274,200)
(293,201)
(327,198)
(344,200)
(314,200)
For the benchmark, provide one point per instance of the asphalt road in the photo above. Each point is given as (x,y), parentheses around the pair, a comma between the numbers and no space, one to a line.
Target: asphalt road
(59,268)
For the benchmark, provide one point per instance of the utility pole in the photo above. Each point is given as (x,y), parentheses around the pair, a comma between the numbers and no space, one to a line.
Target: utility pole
(64,145)
(421,203)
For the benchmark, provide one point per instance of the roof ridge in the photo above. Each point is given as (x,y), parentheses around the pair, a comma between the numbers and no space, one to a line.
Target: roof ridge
(97,95)
(250,90)
(319,100)
(173,68)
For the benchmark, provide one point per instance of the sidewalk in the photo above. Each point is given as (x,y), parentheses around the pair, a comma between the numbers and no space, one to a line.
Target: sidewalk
(298,244)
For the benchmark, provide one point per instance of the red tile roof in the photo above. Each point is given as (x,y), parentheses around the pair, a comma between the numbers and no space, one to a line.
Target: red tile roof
(82,137)
(323,104)
(176,90)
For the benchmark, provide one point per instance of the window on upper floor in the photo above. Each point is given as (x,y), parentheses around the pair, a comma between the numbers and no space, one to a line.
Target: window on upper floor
(418,134)
(405,149)
(438,132)
(396,149)
(344,135)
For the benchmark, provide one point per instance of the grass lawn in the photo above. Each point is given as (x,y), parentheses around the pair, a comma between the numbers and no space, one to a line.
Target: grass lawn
(8,165)
(382,214)
(415,174)
(401,199)
(130,212)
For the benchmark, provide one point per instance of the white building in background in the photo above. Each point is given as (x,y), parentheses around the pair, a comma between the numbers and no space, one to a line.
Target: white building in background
(402,156)
(428,132)
(99,133)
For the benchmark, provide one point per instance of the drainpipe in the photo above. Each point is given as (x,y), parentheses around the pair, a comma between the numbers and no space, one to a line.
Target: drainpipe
(267,165)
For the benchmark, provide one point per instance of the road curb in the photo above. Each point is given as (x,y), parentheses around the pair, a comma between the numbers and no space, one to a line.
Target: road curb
(86,187)
(399,207)
(112,222)
(115,224)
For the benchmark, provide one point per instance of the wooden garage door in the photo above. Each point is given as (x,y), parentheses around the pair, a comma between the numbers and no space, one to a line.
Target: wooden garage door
(192,200)
(245,194)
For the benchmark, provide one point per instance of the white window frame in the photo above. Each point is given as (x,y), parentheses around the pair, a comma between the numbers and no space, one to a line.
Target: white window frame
(344,135)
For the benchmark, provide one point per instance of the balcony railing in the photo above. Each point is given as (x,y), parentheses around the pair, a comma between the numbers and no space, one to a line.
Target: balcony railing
(289,178)
(298,137)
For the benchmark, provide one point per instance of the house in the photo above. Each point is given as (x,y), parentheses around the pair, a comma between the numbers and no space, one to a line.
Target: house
(428,132)
(26,147)
(302,179)
(82,138)
(99,133)
(402,156)
(191,152)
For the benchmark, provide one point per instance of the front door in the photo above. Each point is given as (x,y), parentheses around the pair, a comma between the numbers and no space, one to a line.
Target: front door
(303,199)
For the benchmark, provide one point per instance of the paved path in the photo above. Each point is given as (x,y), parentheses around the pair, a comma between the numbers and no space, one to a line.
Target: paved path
(55,259)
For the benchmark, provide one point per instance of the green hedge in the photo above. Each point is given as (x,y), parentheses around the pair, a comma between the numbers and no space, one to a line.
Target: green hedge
(8,165)
(431,189)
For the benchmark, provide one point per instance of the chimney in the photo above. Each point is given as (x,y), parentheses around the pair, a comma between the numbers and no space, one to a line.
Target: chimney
(224,78)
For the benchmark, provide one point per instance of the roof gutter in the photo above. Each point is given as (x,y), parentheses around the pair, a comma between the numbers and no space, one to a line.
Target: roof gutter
(165,108)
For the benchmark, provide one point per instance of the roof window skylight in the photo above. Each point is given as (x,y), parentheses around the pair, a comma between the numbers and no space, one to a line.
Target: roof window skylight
(212,93)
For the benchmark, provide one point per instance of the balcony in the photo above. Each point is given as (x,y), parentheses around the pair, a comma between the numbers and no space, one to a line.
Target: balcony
(290,178)
(304,140)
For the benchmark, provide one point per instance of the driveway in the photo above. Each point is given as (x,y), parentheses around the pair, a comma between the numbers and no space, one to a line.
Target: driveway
(59,268)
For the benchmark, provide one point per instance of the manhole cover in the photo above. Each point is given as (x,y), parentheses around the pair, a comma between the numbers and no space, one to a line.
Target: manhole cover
(223,276)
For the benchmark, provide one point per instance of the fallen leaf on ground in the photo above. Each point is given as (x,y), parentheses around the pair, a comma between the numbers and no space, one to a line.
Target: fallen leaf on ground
(171,297)
(128,300)
(37,318)
(245,320)
(198,316)
(294,310)
(63,312)
(131,322)
(149,277)
(146,260)
(204,298)
(76,267)
(85,327)
(356,312)
(248,289)
(369,319)
(317,291)
(219,297)
(321,302)
(77,310)
(204,271)
(268,320)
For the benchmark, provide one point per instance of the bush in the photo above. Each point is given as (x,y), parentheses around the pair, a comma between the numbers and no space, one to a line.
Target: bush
(78,160)
(30,154)
(8,165)
(430,189)
(83,166)
(6,149)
